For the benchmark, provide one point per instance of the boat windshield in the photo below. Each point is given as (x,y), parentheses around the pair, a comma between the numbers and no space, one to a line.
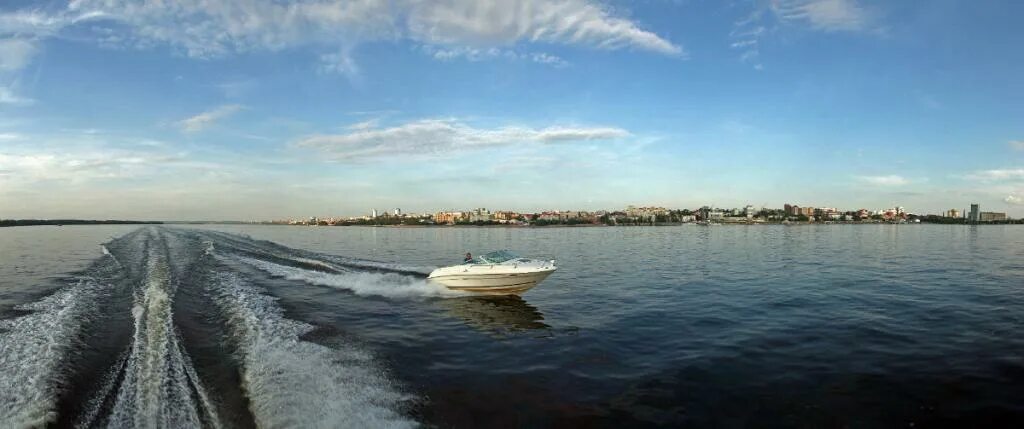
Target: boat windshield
(497,257)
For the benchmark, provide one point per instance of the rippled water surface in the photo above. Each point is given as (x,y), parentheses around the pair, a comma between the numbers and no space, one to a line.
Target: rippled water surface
(275,326)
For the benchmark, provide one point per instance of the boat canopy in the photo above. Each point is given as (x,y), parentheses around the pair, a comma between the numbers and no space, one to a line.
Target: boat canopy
(497,257)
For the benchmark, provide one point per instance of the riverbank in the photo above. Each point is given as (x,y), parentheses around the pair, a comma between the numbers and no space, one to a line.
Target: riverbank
(62,222)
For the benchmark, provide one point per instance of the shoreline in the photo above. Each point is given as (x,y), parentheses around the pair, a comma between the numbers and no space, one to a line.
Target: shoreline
(678,224)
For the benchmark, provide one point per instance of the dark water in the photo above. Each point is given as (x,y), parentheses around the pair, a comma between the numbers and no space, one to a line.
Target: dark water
(761,326)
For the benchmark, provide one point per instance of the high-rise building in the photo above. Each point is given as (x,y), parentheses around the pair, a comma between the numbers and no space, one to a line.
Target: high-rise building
(975,215)
(373,213)
(954,213)
(992,217)
(398,212)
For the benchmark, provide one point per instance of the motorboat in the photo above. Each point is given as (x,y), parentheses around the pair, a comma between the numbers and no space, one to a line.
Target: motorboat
(498,273)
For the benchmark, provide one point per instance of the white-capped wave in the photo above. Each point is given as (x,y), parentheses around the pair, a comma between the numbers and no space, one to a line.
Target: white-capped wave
(296,383)
(390,285)
(363,263)
(32,349)
(159,378)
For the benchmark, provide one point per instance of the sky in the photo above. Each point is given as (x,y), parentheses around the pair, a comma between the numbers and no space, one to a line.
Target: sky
(264,109)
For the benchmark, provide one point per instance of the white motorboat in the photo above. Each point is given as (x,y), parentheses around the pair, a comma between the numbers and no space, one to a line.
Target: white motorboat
(500,272)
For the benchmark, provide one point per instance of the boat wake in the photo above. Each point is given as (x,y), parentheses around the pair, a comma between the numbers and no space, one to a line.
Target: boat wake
(390,285)
(166,329)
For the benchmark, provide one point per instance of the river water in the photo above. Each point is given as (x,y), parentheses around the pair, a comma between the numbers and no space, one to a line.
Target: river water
(732,326)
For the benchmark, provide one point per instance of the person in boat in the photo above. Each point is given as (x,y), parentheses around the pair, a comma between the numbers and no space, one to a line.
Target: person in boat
(468,258)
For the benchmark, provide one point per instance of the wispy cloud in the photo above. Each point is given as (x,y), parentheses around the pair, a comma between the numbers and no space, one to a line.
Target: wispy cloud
(15,53)
(746,37)
(36,160)
(208,29)
(749,32)
(78,168)
(438,136)
(1013,199)
(889,180)
(206,119)
(1017,145)
(9,97)
(469,53)
(825,15)
(552,60)
(501,22)
(997,175)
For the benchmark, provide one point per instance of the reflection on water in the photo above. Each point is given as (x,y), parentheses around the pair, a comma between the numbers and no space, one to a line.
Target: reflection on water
(495,314)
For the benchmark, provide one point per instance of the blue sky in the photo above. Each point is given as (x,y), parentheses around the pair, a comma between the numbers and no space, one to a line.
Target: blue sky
(258,109)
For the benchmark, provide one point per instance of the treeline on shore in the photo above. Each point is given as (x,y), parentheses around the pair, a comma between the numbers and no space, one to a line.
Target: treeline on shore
(31,222)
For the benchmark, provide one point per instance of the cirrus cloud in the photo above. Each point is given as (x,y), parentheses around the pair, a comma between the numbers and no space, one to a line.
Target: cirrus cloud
(889,180)
(438,136)
(825,15)
(15,53)
(9,97)
(206,119)
(210,29)
(829,16)
(997,175)
(504,22)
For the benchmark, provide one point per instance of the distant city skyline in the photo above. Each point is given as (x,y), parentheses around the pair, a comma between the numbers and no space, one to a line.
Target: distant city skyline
(237,110)
(749,209)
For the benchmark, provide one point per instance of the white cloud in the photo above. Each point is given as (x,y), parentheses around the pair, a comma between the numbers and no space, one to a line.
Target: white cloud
(9,97)
(997,174)
(32,23)
(208,29)
(203,120)
(890,180)
(1013,199)
(1017,144)
(435,136)
(339,62)
(364,125)
(34,162)
(820,15)
(825,15)
(503,22)
(469,53)
(15,53)
(552,60)
(75,168)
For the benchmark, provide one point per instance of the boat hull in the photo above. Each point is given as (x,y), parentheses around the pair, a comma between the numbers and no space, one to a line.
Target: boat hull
(497,283)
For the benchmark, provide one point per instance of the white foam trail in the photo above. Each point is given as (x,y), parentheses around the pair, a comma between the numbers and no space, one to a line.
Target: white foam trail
(32,348)
(390,285)
(296,383)
(308,261)
(157,386)
(378,265)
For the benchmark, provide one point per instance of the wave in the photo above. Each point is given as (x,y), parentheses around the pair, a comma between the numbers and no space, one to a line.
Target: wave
(319,386)
(32,350)
(389,285)
(164,331)
(160,386)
